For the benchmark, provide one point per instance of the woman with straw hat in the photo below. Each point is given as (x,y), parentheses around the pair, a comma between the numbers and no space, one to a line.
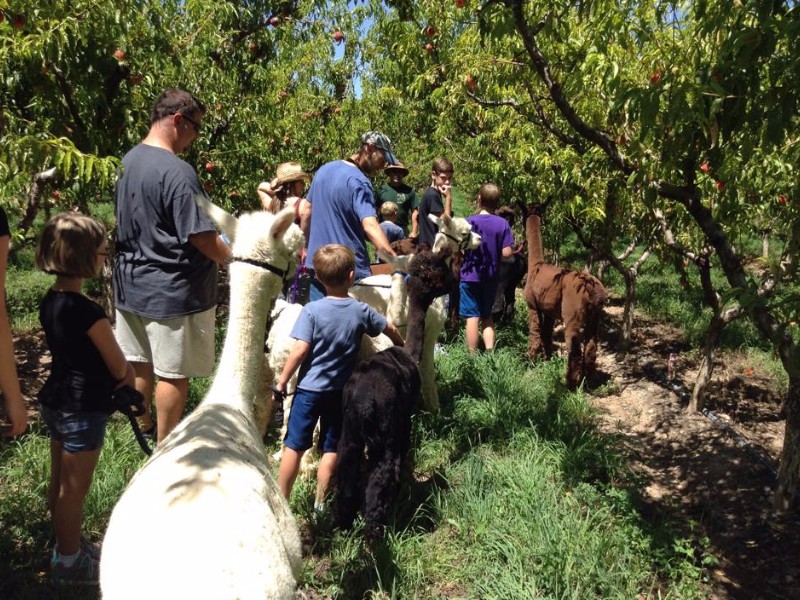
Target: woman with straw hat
(285,190)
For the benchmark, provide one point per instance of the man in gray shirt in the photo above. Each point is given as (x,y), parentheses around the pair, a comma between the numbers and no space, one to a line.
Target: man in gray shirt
(165,272)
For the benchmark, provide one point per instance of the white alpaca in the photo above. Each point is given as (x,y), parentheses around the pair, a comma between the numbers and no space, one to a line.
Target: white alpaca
(387,295)
(203,518)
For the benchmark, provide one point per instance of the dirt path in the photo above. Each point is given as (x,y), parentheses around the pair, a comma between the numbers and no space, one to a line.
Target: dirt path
(718,482)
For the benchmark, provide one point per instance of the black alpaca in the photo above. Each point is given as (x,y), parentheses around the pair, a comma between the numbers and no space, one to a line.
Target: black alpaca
(509,276)
(378,401)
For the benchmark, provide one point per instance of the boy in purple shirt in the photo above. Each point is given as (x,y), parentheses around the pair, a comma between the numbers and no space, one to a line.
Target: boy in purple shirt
(328,335)
(479,272)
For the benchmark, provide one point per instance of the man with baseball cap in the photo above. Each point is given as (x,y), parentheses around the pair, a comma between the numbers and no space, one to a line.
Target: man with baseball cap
(341,204)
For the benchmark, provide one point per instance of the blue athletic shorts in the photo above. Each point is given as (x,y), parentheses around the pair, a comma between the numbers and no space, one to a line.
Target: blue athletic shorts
(76,431)
(477,299)
(307,407)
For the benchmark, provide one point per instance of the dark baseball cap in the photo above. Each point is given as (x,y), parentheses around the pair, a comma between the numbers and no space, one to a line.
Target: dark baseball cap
(380,140)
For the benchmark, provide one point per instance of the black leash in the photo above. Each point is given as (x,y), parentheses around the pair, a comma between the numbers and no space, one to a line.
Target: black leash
(130,403)
(284,274)
(281,396)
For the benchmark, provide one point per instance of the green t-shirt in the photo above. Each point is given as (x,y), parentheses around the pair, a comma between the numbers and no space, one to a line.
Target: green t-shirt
(404,197)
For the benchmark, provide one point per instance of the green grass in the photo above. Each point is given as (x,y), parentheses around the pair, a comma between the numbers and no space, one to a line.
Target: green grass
(515,495)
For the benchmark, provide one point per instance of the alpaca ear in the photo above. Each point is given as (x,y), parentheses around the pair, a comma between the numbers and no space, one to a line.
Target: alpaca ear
(225,221)
(447,220)
(282,222)
(434,219)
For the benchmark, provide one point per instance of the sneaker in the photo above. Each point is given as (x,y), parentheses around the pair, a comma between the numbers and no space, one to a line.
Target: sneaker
(150,434)
(90,548)
(84,571)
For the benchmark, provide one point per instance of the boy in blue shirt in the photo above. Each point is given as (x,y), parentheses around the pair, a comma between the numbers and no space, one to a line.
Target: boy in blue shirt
(328,334)
(389,224)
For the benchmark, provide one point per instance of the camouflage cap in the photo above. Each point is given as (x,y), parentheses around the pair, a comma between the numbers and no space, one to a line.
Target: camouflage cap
(380,140)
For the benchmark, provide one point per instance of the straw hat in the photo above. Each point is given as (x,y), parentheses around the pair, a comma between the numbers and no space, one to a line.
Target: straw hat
(398,169)
(289,171)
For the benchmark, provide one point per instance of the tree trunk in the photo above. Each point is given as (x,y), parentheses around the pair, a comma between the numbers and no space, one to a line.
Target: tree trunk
(787,495)
(765,244)
(40,180)
(626,339)
(697,402)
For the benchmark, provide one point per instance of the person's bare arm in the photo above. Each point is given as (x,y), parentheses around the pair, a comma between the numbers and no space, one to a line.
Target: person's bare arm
(393,334)
(102,337)
(376,235)
(446,191)
(210,245)
(296,357)
(305,217)
(9,381)
(414,224)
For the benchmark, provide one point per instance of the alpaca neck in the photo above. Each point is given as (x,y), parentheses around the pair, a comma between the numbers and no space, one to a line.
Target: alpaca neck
(252,292)
(416,326)
(533,233)
(397,310)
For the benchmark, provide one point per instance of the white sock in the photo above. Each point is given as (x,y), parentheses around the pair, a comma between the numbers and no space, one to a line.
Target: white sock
(319,506)
(68,560)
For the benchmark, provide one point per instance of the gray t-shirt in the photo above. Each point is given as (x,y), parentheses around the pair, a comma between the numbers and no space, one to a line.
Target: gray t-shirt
(158,273)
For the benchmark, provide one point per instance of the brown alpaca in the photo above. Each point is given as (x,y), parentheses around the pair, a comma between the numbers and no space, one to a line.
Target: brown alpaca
(554,293)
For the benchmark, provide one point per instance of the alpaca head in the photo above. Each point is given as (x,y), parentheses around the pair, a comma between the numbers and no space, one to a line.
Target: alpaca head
(266,237)
(454,233)
(507,213)
(247,233)
(429,275)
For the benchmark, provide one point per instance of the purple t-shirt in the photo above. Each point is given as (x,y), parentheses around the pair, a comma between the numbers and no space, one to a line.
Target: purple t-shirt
(333,327)
(482,264)
(341,196)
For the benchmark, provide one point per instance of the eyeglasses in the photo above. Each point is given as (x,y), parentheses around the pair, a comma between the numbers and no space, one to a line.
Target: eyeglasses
(194,123)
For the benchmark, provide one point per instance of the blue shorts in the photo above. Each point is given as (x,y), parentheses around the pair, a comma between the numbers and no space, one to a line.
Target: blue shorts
(477,299)
(75,431)
(307,407)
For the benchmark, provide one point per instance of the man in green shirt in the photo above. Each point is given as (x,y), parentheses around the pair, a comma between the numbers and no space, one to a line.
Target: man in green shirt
(397,191)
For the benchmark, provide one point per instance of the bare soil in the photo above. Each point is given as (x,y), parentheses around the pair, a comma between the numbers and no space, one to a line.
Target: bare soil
(716,481)
(716,478)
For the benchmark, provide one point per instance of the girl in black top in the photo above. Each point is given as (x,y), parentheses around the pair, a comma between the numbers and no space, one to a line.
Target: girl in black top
(75,401)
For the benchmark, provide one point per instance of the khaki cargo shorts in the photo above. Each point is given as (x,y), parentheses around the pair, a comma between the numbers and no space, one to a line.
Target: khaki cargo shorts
(178,348)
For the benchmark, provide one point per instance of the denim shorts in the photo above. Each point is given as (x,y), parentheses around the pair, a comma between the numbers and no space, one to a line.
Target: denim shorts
(307,407)
(75,431)
(477,299)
